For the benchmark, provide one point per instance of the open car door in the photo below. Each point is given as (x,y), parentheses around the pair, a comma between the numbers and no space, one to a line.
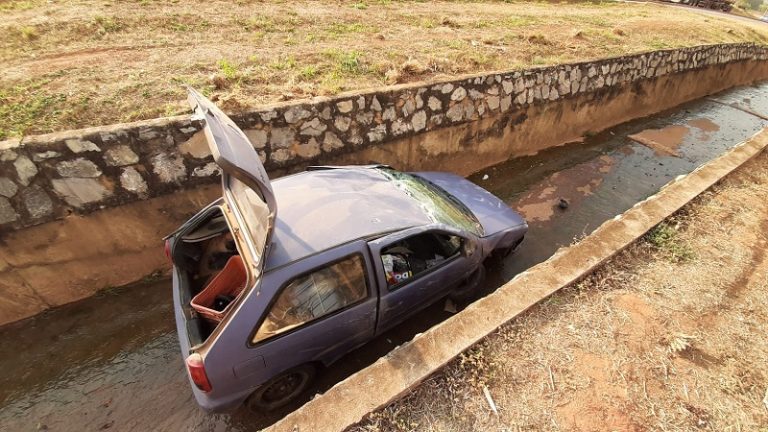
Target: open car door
(247,189)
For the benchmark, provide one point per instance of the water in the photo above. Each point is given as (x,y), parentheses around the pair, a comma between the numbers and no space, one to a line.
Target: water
(112,361)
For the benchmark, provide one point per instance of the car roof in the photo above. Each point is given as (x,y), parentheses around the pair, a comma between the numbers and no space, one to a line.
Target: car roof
(321,209)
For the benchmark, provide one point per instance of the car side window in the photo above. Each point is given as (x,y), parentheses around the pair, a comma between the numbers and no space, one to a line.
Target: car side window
(314,295)
(408,258)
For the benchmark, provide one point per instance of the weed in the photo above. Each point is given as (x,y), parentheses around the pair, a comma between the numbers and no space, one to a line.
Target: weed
(283,63)
(309,72)
(664,237)
(29,33)
(228,69)
(346,62)
(259,22)
(359,6)
(345,28)
(657,43)
(178,26)
(107,24)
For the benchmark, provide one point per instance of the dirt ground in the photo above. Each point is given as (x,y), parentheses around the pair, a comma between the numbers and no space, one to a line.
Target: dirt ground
(77,63)
(668,336)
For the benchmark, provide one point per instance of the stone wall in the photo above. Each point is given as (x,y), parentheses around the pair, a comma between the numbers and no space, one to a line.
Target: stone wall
(47,177)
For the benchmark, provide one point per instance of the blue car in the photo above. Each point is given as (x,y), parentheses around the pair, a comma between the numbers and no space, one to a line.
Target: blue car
(264,298)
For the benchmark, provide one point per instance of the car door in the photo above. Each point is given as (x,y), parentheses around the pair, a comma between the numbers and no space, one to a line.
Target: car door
(324,307)
(401,295)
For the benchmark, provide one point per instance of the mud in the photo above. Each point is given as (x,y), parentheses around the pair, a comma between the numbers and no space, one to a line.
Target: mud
(662,141)
(112,361)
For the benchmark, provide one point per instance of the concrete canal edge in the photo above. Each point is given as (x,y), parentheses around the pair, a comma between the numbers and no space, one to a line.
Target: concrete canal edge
(405,367)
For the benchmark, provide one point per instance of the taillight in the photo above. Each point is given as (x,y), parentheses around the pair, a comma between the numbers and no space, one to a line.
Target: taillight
(167,249)
(196,370)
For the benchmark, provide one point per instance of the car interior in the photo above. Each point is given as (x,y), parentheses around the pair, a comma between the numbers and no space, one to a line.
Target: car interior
(215,271)
(410,257)
(314,295)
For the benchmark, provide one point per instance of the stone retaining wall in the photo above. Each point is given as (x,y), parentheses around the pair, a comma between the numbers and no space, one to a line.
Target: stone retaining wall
(47,177)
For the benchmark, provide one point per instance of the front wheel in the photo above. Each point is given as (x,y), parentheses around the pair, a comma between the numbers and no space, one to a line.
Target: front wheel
(470,287)
(282,389)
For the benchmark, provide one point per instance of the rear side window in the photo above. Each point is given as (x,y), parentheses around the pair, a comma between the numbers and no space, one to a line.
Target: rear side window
(314,295)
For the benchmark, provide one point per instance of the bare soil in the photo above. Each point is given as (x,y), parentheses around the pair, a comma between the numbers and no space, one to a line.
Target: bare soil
(77,63)
(668,336)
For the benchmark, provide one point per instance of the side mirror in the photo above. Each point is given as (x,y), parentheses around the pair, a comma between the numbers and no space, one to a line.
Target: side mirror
(468,248)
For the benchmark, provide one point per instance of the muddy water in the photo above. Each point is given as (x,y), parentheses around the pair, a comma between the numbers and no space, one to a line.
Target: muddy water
(112,361)
(610,172)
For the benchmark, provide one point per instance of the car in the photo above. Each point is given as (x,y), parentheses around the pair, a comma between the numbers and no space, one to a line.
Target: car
(264,298)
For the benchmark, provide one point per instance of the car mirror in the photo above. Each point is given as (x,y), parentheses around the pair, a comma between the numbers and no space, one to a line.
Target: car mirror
(467,248)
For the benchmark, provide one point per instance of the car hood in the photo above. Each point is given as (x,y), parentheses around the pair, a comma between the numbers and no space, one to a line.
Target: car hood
(493,213)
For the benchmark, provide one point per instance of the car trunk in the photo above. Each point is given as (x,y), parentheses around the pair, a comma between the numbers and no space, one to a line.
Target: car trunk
(219,254)
(210,271)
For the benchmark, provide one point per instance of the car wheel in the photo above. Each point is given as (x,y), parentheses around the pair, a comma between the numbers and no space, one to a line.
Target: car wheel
(468,290)
(282,389)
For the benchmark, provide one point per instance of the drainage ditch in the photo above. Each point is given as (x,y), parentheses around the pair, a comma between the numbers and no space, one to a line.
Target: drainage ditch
(113,360)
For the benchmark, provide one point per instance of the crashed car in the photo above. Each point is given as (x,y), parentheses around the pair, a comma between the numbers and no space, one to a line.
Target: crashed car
(263,298)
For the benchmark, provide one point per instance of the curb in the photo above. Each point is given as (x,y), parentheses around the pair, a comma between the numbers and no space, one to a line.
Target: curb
(406,366)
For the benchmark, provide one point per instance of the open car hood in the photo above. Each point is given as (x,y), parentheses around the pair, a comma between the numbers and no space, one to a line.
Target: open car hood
(247,189)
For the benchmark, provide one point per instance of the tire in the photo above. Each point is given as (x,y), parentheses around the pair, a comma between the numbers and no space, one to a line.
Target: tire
(470,287)
(496,260)
(282,389)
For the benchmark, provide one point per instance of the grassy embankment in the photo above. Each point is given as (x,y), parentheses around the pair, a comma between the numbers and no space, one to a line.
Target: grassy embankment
(70,64)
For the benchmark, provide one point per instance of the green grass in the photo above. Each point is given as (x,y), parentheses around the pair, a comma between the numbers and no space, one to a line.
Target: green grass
(347,63)
(664,237)
(309,72)
(228,69)
(283,64)
(25,107)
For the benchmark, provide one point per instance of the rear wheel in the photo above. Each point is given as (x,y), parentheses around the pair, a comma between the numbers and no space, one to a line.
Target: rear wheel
(282,389)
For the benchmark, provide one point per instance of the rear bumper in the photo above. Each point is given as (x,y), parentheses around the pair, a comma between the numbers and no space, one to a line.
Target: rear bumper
(211,402)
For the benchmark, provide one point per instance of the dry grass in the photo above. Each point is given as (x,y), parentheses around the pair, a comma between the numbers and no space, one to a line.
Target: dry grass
(649,342)
(78,63)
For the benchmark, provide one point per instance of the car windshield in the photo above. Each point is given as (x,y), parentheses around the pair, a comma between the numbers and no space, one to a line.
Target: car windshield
(438,204)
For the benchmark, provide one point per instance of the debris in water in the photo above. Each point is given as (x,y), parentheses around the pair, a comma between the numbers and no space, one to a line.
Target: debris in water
(490,400)
(449,306)
(562,204)
(486,177)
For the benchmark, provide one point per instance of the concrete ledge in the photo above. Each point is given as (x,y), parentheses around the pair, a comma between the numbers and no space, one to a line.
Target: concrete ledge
(405,367)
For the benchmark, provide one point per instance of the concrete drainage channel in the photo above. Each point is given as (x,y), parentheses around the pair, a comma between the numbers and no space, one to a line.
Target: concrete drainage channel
(117,361)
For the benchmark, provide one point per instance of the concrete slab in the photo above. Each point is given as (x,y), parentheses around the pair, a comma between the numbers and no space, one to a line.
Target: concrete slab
(405,367)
